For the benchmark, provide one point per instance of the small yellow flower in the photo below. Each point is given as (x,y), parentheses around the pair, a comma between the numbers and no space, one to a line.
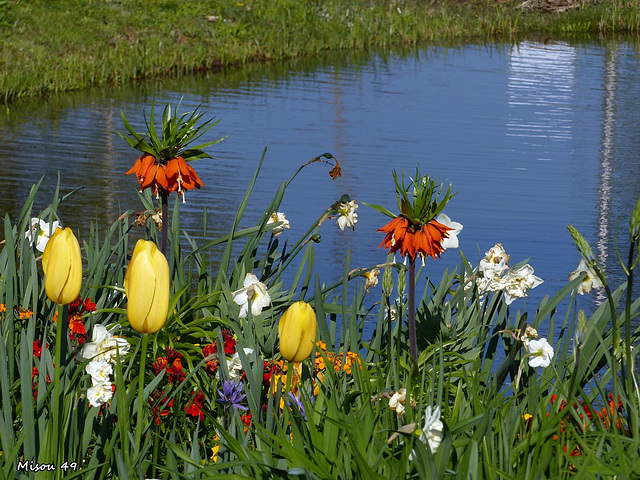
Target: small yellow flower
(215,449)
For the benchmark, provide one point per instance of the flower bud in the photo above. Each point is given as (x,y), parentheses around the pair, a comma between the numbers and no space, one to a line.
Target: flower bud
(297,332)
(146,285)
(62,264)
(583,245)
(634,222)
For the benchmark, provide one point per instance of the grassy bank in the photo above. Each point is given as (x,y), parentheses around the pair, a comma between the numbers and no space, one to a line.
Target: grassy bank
(54,46)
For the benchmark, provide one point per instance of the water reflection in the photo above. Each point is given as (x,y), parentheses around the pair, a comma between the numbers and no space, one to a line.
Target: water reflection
(525,134)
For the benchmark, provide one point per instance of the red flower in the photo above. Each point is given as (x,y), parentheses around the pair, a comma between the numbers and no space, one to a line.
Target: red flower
(157,402)
(37,348)
(246,419)
(172,363)
(194,409)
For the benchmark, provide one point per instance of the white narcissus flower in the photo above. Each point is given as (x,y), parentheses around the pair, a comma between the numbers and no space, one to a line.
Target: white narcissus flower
(100,371)
(589,282)
(452,240)
(517,283)
(431,434)
(540,353)
(99,394)
(397,401)
(255,291)
(235,364)
(495,262)
(371,278)
(40,231)
(104,346)
(347,214)
(278,217)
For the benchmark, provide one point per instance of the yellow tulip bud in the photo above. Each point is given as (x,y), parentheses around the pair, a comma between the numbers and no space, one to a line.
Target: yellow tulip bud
(297,332)
(146,285)
(62,265)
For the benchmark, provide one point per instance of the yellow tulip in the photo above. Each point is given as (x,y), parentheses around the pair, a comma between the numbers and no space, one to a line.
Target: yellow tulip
(297,332)
(62,265)
(146,285)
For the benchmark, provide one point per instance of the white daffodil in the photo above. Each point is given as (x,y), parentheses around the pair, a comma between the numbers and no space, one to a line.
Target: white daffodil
(40,231)
(278,217)
(431,434)
(589,282)
(235,364)
(452,240)
(100,371)
(99,394)
(104,346)
(347,214)
(255,291)
(540,352)
(495,262)
(397,401)
(517,283)
(371,278)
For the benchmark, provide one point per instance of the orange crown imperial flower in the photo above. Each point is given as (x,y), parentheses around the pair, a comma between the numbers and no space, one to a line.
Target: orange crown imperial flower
(174,176)
(163,164)
(414,241)
(414,232)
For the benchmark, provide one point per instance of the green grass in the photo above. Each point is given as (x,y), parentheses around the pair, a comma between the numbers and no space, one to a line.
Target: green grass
(63,45)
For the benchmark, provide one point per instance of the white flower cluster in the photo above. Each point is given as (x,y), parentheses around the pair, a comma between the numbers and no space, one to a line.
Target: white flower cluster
(103,351)
(492,276)
(234,364)
(397,401)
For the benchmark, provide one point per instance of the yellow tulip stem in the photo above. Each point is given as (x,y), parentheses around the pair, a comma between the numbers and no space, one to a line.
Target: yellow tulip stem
(56,415)
(143,358)
(290,372)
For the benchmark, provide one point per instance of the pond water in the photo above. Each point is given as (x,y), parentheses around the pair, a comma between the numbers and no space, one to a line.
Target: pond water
(532,136)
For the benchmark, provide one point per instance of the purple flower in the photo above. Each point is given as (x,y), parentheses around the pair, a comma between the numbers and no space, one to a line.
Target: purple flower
(231,395)
(295,400)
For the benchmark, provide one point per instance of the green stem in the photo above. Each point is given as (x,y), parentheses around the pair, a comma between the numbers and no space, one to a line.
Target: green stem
(143,359)
(629,386)
(615,341)
(165,222)
(56,415)
(413,344)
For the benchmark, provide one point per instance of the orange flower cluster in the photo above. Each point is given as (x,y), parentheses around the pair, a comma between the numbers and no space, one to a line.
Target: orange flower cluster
(174,176)
(23,313)
(414,241)
(335,359)
(586,417)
